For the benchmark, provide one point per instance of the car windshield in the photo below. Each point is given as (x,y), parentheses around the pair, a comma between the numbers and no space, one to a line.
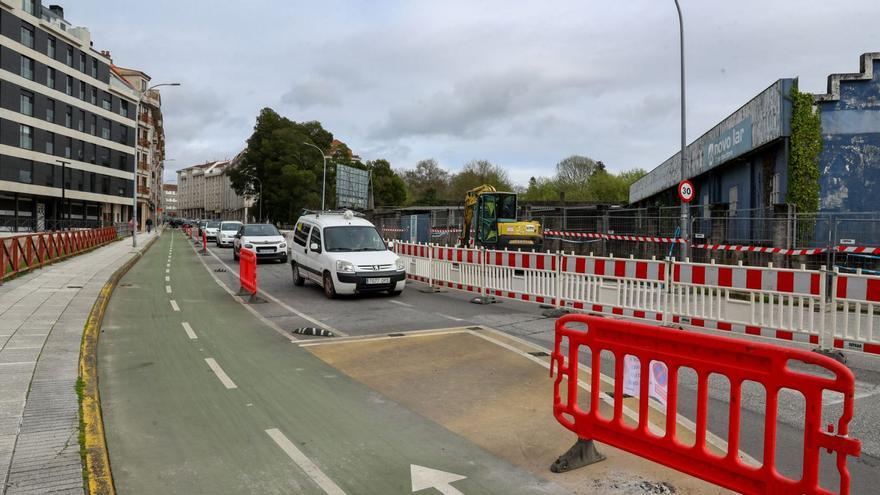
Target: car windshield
(213,225)
(353,238)
(260,230)
(229,226)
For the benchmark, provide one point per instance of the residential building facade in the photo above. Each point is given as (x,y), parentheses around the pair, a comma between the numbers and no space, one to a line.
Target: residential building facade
(150,146)
(67,125)
(169,200)
(205,191)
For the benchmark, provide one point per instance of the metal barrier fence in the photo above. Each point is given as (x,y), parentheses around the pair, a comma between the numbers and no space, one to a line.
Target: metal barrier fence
(737,361)
(21,253)
(825,308)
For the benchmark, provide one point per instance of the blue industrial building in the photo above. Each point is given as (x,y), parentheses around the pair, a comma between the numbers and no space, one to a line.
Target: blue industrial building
(741,164)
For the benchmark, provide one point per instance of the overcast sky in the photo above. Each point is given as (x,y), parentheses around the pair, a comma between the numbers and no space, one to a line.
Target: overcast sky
(522,84)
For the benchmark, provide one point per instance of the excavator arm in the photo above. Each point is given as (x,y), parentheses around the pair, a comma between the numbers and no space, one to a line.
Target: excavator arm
(470,201)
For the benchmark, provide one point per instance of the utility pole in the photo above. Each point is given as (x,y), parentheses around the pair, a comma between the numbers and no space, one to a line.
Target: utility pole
(685,211)
(324,181)
(64,165)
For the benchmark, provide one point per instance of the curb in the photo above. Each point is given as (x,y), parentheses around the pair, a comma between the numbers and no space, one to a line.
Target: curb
(96,460)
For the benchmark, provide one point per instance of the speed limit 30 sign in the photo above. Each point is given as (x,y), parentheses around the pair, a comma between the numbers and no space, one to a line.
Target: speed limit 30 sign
(686,191)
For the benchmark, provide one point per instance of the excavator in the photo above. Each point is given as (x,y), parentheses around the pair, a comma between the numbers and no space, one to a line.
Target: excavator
(492,216)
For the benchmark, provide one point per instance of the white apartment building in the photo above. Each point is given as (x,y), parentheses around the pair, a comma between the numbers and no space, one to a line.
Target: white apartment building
(169,200)
(205,191)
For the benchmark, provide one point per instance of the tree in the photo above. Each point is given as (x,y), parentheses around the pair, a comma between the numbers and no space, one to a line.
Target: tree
(577,170)
(476,173)
(427,183)
(290,172)
(389,189)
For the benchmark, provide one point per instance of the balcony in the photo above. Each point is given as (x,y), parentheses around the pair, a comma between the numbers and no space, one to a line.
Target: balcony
(144,166)
(143,190)
(145,118)
(143,143)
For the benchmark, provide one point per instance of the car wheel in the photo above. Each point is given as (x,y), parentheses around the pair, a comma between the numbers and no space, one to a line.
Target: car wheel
(394,293)
(298,280)
(329,289)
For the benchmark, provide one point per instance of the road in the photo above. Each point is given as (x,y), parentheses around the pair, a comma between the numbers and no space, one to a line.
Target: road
(197,400)
(415,310)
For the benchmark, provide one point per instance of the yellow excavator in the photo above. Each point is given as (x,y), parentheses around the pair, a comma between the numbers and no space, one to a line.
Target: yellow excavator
(492,216)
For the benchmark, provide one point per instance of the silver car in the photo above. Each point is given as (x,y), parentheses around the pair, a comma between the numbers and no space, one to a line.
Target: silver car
(226,233)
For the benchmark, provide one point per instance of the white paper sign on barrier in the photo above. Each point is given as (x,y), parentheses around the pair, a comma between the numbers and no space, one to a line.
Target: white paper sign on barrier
(657,379)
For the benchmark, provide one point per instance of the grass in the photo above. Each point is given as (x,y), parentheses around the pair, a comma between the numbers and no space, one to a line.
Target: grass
(80,391)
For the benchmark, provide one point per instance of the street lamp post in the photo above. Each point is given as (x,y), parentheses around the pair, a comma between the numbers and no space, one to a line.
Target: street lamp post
(324,181)
(685,212)
(134,194)
(64,165)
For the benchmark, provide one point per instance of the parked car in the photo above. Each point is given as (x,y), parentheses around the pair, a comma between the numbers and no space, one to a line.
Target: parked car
(345,255)
(211,229)
(226,233)
(261,238)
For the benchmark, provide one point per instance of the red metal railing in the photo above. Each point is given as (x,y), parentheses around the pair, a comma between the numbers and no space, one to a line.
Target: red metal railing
(735,359)
(21,253)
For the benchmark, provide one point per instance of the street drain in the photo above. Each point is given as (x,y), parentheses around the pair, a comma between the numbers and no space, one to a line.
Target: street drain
(74,286)
(220,270)
(539,354)
(317,332)
(396,335)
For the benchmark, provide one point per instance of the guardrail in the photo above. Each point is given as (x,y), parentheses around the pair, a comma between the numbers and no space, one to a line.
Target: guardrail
(828,309)
(737,360)
(21,253)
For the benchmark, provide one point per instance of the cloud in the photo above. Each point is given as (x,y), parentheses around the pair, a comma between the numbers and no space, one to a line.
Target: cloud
(313,92)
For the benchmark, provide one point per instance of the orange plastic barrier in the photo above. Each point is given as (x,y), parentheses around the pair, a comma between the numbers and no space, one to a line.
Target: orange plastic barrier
(247,270)
(735,359)
(21,253)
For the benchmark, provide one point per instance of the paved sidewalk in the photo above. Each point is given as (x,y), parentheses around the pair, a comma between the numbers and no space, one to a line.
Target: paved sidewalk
(42,316)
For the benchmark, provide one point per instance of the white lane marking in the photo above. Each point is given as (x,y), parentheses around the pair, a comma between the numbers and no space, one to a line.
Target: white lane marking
(372,338)
(189,331)
(167,278)
(168,270)
(221,375)
(167,265)
(306,464)
(449,317)
(168,289)
(399,303)
(424,478)
(18,363)
(174,305)
(317,323)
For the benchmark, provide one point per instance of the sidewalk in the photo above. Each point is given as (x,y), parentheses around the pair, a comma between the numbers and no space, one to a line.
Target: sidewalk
(42,315)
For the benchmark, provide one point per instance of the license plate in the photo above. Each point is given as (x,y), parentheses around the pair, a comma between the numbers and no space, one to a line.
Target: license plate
(380,280)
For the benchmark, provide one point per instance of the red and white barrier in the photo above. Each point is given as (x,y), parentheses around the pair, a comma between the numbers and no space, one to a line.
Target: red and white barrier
(858,249)
(759,249)
(771,302)
(613,237)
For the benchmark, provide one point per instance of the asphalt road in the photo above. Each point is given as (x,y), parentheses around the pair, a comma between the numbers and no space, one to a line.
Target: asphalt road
(415,310)
(197,398)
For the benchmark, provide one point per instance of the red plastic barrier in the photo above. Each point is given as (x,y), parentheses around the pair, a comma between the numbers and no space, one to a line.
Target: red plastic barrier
(21,253)
(204,241)
(247,270)
(735,359)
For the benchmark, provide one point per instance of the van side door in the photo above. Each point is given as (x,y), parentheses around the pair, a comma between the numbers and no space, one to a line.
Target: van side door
(313,256)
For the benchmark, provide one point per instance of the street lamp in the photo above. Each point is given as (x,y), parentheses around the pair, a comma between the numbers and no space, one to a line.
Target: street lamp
(64,164)
(261,199)
(685,212)
(134,195)
(324,181)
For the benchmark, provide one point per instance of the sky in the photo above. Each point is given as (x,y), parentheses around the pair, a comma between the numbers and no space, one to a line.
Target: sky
(522,84)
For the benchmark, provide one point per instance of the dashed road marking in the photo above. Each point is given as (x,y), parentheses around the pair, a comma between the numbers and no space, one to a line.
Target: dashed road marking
(168,270)
(174,305)
(167,278)
(189,331)
(399,303)
(168,289)
(449,317)
(306,464)
(221,375)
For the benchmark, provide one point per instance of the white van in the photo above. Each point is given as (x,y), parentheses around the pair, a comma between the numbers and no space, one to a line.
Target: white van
(345,254)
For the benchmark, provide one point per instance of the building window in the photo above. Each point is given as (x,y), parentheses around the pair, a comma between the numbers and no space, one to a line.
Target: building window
(68,118)
(25,173)
(123,137)
(82,91)
(27,103)
(50,110)
(81,121)
(95,68)
(27,35)
(68,144)
(93,125)
(122,162)
(68,85)
(50,48)
(50,77)
(123,108)
(733,200)
(105,128)
(27,68)
(50,143)
(82,62)
(29,6)
(105,103)
(69,56)
(26,136)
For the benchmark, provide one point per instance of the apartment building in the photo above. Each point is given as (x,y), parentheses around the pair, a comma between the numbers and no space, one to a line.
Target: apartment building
(67,124)
(205,191)
(150,145)
(169,200)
